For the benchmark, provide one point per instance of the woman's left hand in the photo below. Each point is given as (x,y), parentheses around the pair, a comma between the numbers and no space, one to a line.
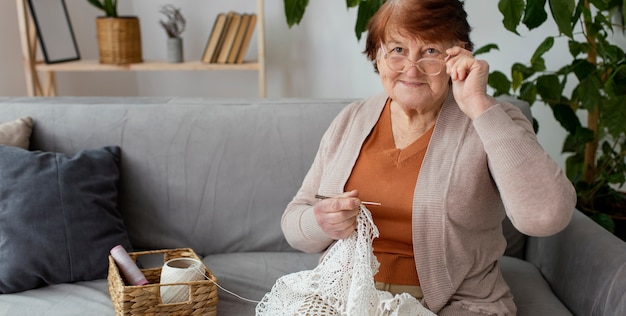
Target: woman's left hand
(469,81)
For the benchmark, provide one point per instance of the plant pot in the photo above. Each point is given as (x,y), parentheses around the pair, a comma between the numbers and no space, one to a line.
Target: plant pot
(175,49)
(119,40)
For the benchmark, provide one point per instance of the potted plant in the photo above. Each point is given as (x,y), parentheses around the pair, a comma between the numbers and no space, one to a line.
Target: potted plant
(596,67)
(119,37)
(174,26)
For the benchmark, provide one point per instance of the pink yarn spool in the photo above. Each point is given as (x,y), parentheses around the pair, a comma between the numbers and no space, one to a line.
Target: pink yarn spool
(128,266)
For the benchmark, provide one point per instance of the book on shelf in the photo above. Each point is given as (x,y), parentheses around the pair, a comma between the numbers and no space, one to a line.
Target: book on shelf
(229,38)
(241,32)
(222,37)
(245,42)
(214,38)
(230,33)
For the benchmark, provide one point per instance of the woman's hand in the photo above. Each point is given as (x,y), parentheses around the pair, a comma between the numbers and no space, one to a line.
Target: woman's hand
(337,215)
(469,81)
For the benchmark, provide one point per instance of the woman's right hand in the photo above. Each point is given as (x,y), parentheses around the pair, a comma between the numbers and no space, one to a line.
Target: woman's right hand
(337,215)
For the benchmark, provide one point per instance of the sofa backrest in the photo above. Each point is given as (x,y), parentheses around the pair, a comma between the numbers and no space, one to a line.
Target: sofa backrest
(214,175)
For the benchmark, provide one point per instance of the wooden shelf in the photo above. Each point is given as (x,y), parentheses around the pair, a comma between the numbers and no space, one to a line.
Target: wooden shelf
(148,65)
(46,86)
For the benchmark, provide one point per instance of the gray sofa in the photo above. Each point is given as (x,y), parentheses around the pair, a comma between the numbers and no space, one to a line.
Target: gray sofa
(216,174)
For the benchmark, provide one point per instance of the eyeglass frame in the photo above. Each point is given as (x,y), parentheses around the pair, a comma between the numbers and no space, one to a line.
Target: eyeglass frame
(412,63)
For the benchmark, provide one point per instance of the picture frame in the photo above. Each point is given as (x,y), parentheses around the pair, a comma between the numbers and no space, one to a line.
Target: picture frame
(54,29)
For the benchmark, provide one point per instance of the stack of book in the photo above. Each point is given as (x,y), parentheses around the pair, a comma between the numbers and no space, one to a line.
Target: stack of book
(229,39)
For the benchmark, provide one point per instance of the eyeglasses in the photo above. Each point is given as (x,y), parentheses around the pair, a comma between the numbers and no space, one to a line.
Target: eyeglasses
(401,63)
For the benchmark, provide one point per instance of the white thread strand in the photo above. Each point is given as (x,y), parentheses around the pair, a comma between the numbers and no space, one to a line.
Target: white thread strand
(225,290)
(187,274)
(234,294)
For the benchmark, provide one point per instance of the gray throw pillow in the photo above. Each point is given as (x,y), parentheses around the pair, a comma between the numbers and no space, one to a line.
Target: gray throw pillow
(58,216)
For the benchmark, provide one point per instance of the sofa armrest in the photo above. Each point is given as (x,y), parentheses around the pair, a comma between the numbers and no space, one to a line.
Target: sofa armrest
(585,265)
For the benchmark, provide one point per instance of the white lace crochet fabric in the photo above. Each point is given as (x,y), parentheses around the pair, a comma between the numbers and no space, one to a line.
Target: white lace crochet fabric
(342,284)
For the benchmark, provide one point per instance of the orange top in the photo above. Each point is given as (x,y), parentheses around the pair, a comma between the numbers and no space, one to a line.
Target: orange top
(385,174)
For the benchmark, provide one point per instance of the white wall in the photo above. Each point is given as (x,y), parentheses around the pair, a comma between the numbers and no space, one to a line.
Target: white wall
(320,58)
(11,72)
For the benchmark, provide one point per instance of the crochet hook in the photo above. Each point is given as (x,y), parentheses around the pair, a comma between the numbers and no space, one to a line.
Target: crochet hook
(321,197)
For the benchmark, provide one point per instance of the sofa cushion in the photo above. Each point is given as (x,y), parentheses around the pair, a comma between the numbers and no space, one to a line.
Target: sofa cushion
(17,132)
(253,274)
(67,299)
(531,293)
(58,216)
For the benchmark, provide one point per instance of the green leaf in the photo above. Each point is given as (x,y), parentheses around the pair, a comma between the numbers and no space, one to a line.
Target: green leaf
(595,28)
(535,13)
(485,49)
(294,11)
(352,3)
(562,11)
(578,11)
(549,88)
(609,52)
(518,77)
(616,83)
(588,92)
(544,47)
(600,4)
(567,117)
(605,221)
(523,69)
(602,21)
(97,4)
(575,48)
(539,64)
(512,11)
(575,143)
(528,92)
(574,167)
(583,68)
(613,116)
(615,177)
(499,82)
(535,125)
(367,8)
(110,7)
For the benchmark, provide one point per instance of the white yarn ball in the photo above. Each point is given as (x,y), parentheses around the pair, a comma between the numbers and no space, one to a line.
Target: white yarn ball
(177,271)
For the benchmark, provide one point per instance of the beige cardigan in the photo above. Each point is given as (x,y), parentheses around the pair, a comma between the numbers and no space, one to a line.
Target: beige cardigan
(472,173)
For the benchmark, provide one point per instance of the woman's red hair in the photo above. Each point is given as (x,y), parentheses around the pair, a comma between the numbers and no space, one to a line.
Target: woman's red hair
(428,20)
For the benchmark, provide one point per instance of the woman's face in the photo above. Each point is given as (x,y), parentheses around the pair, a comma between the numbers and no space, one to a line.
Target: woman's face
(412,88)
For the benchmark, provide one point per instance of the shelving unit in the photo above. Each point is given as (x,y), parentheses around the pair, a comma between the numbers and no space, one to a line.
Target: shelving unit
(40,77)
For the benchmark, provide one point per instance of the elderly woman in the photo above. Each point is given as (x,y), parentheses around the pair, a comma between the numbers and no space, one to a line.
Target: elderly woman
(446,161)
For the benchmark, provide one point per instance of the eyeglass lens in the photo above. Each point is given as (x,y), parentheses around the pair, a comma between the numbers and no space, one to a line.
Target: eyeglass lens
(427,66)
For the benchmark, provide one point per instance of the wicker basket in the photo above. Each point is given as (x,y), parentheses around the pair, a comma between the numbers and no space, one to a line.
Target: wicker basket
(146,299)
(119,40)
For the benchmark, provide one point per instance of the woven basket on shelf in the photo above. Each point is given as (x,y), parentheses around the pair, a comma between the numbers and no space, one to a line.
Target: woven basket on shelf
(119,40)
(146,299)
